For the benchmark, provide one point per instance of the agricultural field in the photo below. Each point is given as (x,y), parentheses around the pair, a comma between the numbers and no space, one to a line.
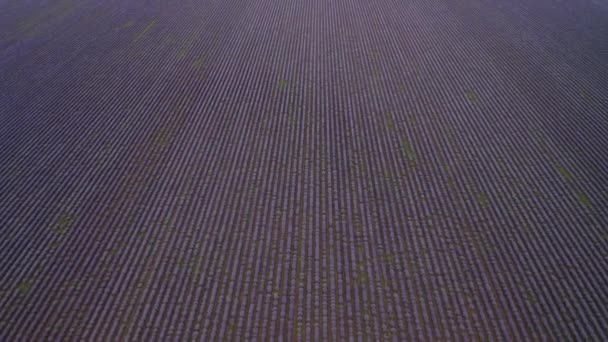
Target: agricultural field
(304,170)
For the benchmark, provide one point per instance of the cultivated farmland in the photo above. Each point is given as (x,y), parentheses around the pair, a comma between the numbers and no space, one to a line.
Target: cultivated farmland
(399,170)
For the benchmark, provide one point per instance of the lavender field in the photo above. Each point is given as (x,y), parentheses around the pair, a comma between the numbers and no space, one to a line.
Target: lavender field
(315,170)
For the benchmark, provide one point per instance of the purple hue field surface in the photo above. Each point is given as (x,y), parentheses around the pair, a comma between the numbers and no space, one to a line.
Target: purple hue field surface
(404,170)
